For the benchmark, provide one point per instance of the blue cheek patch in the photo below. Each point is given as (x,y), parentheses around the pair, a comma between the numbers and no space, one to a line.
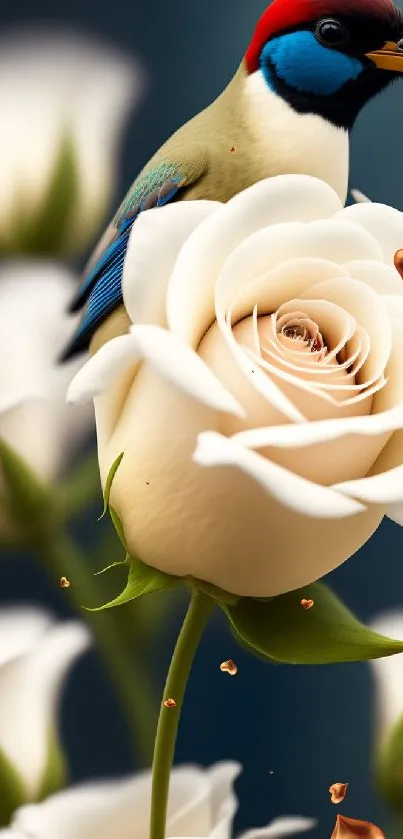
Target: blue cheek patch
(305,65)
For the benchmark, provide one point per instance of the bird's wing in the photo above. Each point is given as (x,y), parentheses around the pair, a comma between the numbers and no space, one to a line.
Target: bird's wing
(101,289)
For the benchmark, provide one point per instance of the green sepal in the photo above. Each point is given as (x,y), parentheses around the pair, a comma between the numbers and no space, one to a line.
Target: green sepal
(12,790)
(55,776)
(45,230)
(25,499)
(109,481)
(112,565)
(214,592)
(283,630)
(141,580)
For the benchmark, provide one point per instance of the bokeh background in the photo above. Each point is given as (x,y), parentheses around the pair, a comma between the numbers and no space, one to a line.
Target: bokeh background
(296,730)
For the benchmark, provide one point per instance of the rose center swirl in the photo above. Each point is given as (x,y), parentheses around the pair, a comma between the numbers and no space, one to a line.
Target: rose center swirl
(299,327)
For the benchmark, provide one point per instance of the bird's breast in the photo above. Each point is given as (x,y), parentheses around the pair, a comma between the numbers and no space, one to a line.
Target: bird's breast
(281,141)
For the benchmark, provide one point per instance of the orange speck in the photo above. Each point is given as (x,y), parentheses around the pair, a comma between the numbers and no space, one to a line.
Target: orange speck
(64,582)
(170,703)
(307,604)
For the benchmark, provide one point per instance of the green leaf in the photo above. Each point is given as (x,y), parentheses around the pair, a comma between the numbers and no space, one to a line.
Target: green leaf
(55,775)
(13,793)
(141,580)
(328,632)
(109,481)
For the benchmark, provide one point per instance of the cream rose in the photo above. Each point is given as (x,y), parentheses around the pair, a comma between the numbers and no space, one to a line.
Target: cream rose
(258,399)
(202,805)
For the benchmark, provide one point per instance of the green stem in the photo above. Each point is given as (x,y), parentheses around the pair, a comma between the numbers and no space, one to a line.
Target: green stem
(195,621)
(60,556)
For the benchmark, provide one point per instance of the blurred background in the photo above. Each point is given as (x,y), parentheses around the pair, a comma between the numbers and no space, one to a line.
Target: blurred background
(296,730)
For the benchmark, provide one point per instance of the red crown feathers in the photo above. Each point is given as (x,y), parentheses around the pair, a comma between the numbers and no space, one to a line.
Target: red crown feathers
(285,14)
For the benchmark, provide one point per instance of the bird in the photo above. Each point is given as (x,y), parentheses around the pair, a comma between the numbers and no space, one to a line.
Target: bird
(310,67)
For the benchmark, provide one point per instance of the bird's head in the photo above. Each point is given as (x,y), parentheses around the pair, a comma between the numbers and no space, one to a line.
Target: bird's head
(328,57)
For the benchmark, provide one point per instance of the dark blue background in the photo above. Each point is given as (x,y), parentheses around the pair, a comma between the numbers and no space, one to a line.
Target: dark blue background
(311,725)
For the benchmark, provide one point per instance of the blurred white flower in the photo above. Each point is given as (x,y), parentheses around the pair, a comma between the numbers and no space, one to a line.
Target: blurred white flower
(60,93)
(202,803)
(35,654)
(34,417)
(388,676)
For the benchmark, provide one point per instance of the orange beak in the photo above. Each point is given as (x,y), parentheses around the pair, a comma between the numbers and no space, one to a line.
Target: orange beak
(390,57)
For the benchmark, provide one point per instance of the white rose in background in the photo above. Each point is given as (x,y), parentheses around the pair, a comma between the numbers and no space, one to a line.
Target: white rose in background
(34,417)
(258,399)
(388,677)
(202,804)
(388,716)
(64,102)
(35,654)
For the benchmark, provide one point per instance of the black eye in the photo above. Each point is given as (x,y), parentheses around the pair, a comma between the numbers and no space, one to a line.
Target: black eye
(331,32)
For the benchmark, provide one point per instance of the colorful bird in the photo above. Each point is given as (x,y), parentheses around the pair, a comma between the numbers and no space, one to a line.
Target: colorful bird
(308,71)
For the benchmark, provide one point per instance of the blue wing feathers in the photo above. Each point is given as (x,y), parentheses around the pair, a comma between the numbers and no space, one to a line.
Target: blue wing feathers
(101,289)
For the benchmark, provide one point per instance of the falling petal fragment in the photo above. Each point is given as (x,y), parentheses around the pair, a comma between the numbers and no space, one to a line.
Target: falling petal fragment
(307,604)
(229,667)
(338,793)
(398,260)
(350,828)
(170,703)
(64,582)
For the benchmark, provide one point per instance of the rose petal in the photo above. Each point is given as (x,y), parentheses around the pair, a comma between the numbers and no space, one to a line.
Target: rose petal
(155,241)
(294,492)
(278,199)
(307,434)
(386,488)
(268,291)
(360,197)
(384,223)
(102,369)
(183,368)
(380,277)
(370,312)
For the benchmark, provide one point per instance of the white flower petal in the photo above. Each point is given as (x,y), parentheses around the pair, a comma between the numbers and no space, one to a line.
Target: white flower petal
(155,241)
(199,803)
(58,82)
(29,691)
(275,200)
(296,493)
(380,277)
(309,433)
(20,630)
(269,247)
(224,803)
(33,329)
(394,512)
(184,368)
(101,370)
(386,488)
(360,197)
(281,827)
(388,674)
(384,223)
